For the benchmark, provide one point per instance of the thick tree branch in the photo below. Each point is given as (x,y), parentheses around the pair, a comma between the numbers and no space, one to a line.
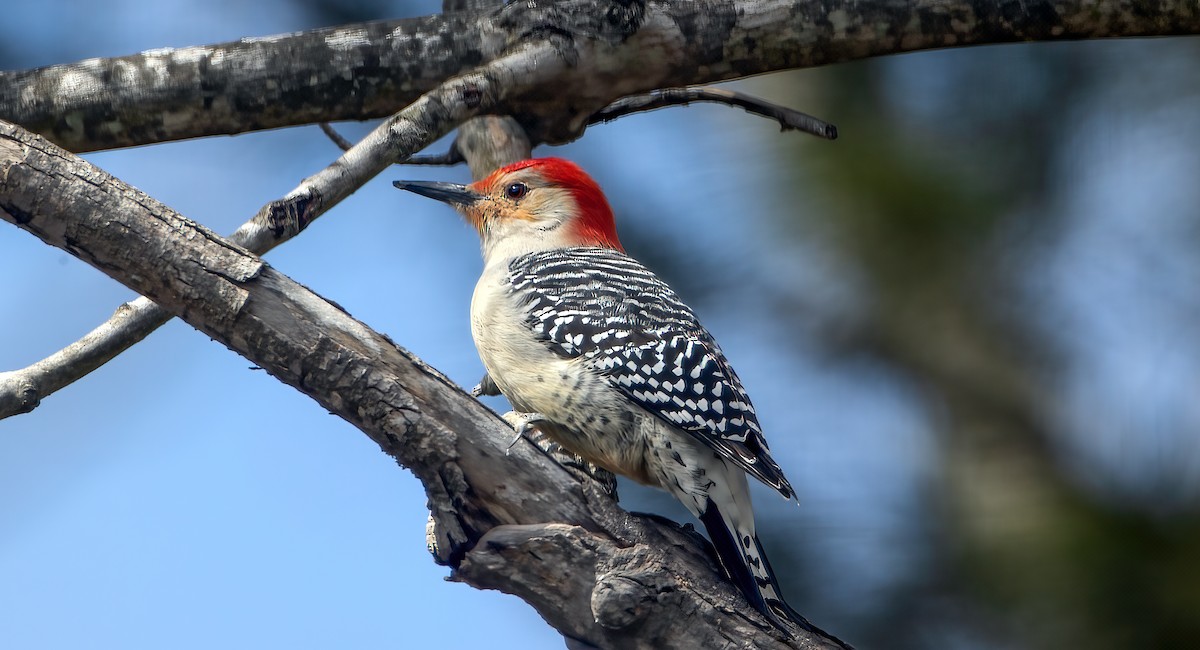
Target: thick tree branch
(412,129)
(353,72)
(370,70)
(618,581)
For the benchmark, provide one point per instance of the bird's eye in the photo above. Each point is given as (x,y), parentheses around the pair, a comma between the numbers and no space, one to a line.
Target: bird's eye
(516,190)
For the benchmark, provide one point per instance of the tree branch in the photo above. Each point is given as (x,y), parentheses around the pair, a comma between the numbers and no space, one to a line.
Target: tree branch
(22,390)
(450,157)
(789,118)
(621,581)
(369,70)
(330,132)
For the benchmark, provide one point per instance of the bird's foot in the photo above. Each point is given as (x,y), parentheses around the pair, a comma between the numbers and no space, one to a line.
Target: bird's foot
(485,387)
(523,423)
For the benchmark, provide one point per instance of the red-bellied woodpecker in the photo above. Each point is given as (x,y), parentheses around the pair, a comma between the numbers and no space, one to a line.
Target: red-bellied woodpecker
(597,352)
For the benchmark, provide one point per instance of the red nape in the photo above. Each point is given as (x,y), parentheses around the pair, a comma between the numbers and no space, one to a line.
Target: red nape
(595,225)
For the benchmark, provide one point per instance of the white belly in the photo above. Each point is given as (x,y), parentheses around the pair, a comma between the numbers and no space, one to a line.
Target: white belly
(595,420)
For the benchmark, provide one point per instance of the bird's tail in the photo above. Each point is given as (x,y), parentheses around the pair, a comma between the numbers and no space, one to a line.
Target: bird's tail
(730,525)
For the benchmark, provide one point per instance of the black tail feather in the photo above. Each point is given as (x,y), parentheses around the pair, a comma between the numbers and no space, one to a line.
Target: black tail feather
(732,559)
(732,556)
(786,609)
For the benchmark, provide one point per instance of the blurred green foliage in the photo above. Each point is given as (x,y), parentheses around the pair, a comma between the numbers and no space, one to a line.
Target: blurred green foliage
(947,202)
(945,184)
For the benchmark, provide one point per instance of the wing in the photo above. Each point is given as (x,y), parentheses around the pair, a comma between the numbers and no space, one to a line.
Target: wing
(607,308)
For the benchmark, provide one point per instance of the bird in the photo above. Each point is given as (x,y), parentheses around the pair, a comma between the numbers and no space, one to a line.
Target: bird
(594,350)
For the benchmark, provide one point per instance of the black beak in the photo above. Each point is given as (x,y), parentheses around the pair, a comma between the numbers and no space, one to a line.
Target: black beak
(451,193)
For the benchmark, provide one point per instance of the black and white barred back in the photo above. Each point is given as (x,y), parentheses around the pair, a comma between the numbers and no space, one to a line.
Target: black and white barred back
(604,306)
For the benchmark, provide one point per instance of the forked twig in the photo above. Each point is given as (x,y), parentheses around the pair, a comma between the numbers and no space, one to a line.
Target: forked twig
(789,119)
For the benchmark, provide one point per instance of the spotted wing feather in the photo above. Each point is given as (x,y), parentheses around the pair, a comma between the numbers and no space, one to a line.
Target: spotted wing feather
(604,306)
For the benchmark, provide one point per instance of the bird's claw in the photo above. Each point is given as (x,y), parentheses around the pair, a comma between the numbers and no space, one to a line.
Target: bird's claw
(523,423)
(486,386)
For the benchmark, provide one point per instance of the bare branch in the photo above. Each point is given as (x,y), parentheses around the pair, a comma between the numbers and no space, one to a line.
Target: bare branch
(366,71)
(341,142)
(412,129)
(451,157)
(621,581)
(21,391)
(788,118)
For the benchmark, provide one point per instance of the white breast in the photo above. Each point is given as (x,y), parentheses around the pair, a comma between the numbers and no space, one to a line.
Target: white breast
(596,421)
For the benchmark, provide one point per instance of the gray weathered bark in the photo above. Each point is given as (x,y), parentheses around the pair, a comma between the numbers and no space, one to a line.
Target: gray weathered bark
(504,520)
(612,48)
